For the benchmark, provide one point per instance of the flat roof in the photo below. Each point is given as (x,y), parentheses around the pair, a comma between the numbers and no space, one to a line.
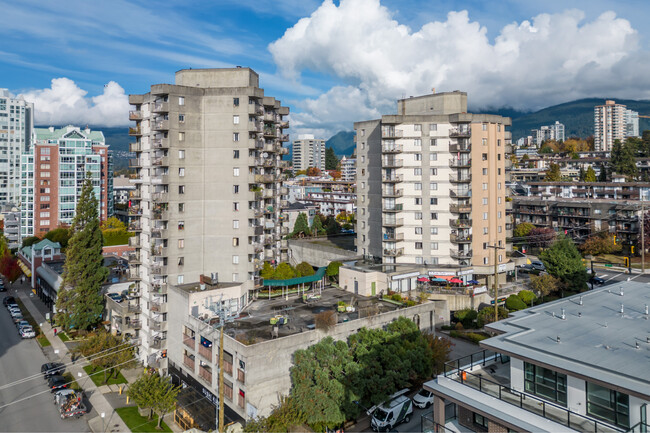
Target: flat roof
(198,287)
(596,340)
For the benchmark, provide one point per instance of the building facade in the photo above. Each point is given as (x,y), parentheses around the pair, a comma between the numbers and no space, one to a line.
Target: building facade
(548,132)
(16,124)
(308,152)
(331,203)
(208,193)
(53,172)
(348,169)
(431,183)
(613,122)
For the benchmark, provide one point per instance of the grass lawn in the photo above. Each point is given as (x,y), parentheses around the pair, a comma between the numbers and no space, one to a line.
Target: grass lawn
(98,378)
(63,336)
(69,378)
(43,341)
(137,423)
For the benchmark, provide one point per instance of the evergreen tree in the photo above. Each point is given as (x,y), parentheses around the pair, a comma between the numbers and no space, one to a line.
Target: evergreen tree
(602,176)
(563,261)
(331,161)
(581,174)
(301,225)
(317,226)
(590,175)
(623,160)
(553,173)
(80,302)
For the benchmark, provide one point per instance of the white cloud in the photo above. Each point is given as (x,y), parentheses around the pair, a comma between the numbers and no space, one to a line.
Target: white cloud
(66,103)
(550,59)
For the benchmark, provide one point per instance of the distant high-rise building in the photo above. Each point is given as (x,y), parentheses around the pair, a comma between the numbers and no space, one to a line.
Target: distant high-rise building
(16,123)
(431,183)
(548,132)
(613,122)
(348,169)
(308,152)
(208,195)
(53,172)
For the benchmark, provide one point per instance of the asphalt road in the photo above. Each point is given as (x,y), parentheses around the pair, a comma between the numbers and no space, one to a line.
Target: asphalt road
(19,359)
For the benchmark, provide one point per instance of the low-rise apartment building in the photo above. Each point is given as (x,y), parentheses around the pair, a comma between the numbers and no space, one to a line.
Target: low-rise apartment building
(576,364)
(331,203)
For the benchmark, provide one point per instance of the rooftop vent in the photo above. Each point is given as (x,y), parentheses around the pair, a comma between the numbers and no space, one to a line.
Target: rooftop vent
(558,339)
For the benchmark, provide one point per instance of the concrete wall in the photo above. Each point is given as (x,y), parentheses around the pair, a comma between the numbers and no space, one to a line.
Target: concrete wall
(317,255)
(364,280)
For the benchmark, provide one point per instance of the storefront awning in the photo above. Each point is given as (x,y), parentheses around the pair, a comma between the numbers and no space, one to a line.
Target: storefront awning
(25,269)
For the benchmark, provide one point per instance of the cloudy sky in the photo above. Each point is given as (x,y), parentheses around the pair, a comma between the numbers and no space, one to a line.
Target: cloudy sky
(332,62)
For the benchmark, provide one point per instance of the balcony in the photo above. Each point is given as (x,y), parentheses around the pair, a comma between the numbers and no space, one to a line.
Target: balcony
(460,239)
(189,362)
(162,161)
(134,241)
(270,132)
(158,270)
(205,352)
(135,132)
(157,343)
(264,178)
(460,163)
(393,222)
(161,125)
(160,215)
(133,324)
(486,371)
(134,257)
(189,341)
(460,132)
(392,148)
(460,208)
(393,193)
(460,193)
(205,373)
(393,208)
(460,223)
(255,126)
(395,178)
(135,163)
(135,226)
(284,151)
(391,133)
(392,163)
(284,137)
(454,178)
(160,143)
(393,237)
(460,147)
(284,124)
(161,107)
(393,252)
(135,147)
(160,288)
(134,275)
(160,197)
(135,115)
(157,325)
(460,254)
(270,117)
(158,306)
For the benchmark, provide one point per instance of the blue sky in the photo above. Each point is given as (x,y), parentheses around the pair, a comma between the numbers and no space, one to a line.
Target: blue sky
(331,62)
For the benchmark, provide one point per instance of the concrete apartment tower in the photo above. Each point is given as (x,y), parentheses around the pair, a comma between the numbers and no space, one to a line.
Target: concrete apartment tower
(308,152)
(613,122)
(431,183)
(16,124)
(208,194)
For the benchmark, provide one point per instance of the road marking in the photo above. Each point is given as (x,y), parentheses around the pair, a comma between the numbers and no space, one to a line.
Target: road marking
(603,276)
(636,276)
(617,275)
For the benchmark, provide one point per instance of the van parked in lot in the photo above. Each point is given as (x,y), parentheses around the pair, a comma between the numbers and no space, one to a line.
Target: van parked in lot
(397,410)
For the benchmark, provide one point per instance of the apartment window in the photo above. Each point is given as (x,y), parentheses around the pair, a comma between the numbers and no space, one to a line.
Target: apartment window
(418,245)
(418,201)
(181,136)
(499,230)
(417,142)
(235,189)
(434,246)
(179,279)
(235,224)
(181,225)
(499,157)
(363,132)
(485,200)
(181,189)
(433,142)
(433,186)
(235,120)
(235,154)
(45,151)
(417,127)
(433,126)
(181,118)
(486,261)
(485,127)
(434,230)
(181,171)
(235,171)
(498,185)
(498,200)
(45,214)
(418,230)
(609,405)
(433,171)
(485,172)
(485,186)
(181,154)
(181,261)
(235,276)
(480,421)
(235,260)
(417,171)
(499,142)
(235,136)
(418,215)
(434,215)
(485,215)
(433,157)
(499,214)
(484,156)
(485,230)
(500,256)
(181,243)
(181,100)
(419,260)
(499,171)
(434,260)
(235,102)
(545,383)
(418,156)
(433,200)
(181,207)
(235,206)
(418,186)
(363,159)
(363,185)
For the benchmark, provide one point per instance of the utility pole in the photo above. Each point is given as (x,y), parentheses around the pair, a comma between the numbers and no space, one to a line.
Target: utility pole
(496,279)
(642,237)
(221,374)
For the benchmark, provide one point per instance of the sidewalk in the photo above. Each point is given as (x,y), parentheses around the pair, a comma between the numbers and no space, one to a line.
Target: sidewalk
(112,421)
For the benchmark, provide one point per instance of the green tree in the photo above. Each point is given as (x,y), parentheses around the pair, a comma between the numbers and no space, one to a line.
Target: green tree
(284,271)
(486,315)
(466,316)
(602,176)
(30,240)
(332,270)
(527,296)
(112,223)
(114,351)
(590,175)
(80,303)
(61,235)
(514,303)
(563,261)
(523,229)
(284,418)
(164,397)
(544,284)
(581,174)
(267,271)
(622,160)
(332,227)
(440,350)
(305,269)
(142,394)
(331,161)
(603,243)
(553,173)
(301,225)
(317,226)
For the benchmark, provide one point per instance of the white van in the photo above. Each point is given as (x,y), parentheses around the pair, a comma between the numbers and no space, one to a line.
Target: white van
(389,414)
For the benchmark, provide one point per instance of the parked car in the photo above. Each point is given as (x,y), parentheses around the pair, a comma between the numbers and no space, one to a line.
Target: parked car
(537,265)
(13,308)
(27,332)
(2,288)
(391,413)
(597,281)
(8,300)
(22,323)
(57,382)
(18,317)
(423,399)
(52,369)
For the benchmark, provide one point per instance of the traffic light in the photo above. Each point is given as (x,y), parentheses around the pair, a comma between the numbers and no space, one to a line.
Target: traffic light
(626,262)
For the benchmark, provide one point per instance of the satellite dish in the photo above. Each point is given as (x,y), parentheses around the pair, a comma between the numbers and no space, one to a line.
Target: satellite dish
(265,155)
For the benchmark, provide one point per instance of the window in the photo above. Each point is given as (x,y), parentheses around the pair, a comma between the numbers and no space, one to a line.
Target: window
(609,405)
(499,230)
(485,200)
(480,421)
(433,201)
(486,261)
(235,206)
(419,260)
(235,189)
(181,225)
(499,142)
(433,171)
(418,215)
(181,136)
(235,120)
(545,383)
(499,214)
(181,207)
(235,276)
(433,142)
(499,157)
(235,102)
(484,156)
(181,171)
(485,230)
(417,127)
(434,246)
(181,261)
(434,215)
(235,171)
(181,154)
(417,171)
(179,279)
(433,186)
(418,201)
(363,132)
(418,230)
(433,126)
(418,156)
(485,186)
(433,157)
(235,224)
(485,172)
(499,185)
(418,186)
(235,260)
(418,245)
(235,136)
(181,100)
(485,127)
(498,200)
(485,215)
(181,243)
(235,154)
(499,171)
(417,142)
(484,141)
(181,118)
(434,230)
(181,189)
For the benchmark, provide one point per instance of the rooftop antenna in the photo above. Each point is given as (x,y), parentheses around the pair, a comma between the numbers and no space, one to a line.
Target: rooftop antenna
(558,339)
(622,309)
(580,303)
(563,316)
(636,344)
(621,291)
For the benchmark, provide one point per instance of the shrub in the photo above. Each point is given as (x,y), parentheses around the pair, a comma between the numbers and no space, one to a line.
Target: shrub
(410,303)
(459,326)
(466,316)
(527,296)
(454,334)
(396,297)
(514,303)
(473,337)
(486,316)
(305,269)
(325,320)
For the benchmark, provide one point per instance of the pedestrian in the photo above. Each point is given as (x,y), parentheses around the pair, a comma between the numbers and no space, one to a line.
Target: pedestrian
(55,332)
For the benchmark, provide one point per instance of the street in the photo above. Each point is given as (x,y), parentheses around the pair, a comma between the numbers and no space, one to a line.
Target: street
(20,359)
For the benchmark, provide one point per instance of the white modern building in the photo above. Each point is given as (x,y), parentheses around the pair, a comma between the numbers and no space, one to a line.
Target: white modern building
(613,122)
(348,169)
(632,123)
(308,152)
(577,364)
(16,124)
(548,132)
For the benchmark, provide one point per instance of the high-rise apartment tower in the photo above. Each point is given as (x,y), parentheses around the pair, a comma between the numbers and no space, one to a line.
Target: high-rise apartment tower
(16,123)
(613,122)
(308,152)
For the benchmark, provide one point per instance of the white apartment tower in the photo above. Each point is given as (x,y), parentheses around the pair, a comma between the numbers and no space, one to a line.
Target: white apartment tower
(348,169)
(16,124)
(208,194)
(431,183)
(308,152)
(613,122)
